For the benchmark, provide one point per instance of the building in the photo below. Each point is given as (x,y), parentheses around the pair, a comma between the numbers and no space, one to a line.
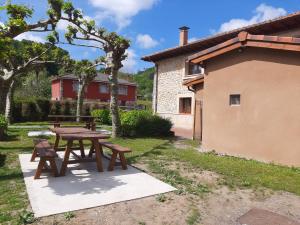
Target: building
(237,91)
(65,88)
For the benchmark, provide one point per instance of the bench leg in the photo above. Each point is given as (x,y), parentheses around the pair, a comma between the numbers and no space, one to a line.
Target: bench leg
(123,161)
(53,167)
(98,155)
(39,168)
(112,161)
(81,149)
(56,142)
(34,155)
(66,158)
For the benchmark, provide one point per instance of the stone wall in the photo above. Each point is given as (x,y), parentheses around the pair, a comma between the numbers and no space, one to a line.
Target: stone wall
(170,89)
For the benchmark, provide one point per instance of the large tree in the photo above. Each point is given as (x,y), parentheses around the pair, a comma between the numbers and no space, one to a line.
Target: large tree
(85,71)
(13,64)
(84,32)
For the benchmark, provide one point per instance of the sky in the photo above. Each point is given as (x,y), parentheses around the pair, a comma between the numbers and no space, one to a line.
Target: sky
(152,25)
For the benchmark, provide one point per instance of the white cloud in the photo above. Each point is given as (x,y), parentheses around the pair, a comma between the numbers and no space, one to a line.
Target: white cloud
(193,39)
(146,41)
(62,25)
(30,36)
(262,13)
(129,64)
(120,11)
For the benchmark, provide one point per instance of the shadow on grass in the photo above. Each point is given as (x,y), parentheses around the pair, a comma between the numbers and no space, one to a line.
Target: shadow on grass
(156,150)
(10,138)
(2,160)
(12,176)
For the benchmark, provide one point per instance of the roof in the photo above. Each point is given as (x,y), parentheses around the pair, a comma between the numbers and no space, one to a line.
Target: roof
(244,39)
(99,78)
(268,27)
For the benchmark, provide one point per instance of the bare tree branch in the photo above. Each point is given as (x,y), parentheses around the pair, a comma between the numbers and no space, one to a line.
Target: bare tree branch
(81,45)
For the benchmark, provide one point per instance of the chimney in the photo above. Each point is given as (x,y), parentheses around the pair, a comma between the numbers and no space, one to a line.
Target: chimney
(184,35)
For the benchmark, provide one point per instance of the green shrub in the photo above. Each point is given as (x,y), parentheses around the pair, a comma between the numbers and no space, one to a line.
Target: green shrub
(144,123)
(56,108)
(30,111)
(66,108)
(3,126)
(102,116)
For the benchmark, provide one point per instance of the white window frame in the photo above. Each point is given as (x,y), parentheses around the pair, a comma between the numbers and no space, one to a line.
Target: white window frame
(123,90)
(104,92)
(75,86)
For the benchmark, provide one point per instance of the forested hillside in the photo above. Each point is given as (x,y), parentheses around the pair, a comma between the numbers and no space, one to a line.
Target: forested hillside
(144,80)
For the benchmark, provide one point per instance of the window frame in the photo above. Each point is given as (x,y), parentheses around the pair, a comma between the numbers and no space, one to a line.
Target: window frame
(183,105)
(107,89)
(234,100)
(75,86)
(124,87)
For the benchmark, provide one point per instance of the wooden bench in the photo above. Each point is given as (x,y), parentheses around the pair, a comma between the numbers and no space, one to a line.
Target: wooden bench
(35,152)
(46,153)
(116,150)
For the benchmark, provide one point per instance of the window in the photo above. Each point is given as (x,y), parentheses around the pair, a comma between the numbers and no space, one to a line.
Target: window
(75,86)
(234,100)
(195,69)
(103,88)
(123,90)
(185,105)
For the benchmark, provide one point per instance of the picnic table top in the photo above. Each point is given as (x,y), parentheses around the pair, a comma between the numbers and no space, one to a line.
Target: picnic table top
(68,116)
(77,133)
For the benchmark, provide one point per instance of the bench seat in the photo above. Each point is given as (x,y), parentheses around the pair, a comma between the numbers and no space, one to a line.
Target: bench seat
(46,152)
(117,150)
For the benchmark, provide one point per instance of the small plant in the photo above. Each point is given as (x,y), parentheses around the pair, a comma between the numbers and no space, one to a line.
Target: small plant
(161,198)
(69,215)
(194,217)
(26,217)
(142,223)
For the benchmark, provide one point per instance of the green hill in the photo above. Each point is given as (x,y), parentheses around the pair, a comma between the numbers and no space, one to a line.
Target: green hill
(144,80)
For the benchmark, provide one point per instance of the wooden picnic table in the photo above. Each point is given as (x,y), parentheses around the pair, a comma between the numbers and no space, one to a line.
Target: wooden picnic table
(79,134)
(90,120)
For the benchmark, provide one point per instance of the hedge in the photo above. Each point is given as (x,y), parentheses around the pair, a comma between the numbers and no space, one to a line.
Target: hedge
(144,123)
(31,110)
(3,127)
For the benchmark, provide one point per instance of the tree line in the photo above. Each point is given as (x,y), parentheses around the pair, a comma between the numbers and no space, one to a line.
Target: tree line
(80,32)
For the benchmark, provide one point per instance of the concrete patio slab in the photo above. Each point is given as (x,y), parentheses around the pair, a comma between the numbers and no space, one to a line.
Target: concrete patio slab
(83,187)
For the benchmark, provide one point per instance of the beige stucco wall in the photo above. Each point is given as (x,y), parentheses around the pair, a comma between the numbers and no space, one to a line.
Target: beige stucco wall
(266,126)
(170,89)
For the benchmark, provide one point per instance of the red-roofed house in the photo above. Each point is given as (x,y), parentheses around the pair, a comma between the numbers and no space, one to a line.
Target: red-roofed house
(65,88)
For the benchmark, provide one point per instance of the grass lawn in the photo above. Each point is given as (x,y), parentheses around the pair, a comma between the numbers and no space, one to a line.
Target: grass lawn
(155,153)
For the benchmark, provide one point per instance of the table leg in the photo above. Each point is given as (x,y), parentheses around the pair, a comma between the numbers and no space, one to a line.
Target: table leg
(81,149)
(56,142)
(91,150)
(98,155)
(66,158)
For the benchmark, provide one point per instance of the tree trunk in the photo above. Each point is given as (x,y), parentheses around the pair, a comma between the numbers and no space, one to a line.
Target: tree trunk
(4,88)
(9,101)
(116,124)
(80,95)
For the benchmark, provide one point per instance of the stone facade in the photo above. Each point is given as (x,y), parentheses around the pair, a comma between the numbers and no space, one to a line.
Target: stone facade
(169,89)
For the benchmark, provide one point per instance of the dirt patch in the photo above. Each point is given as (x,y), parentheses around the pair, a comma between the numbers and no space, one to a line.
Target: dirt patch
(225,206)
(222,205)
(141,211)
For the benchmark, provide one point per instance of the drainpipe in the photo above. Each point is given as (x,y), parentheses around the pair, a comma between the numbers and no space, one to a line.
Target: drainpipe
(155,88)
